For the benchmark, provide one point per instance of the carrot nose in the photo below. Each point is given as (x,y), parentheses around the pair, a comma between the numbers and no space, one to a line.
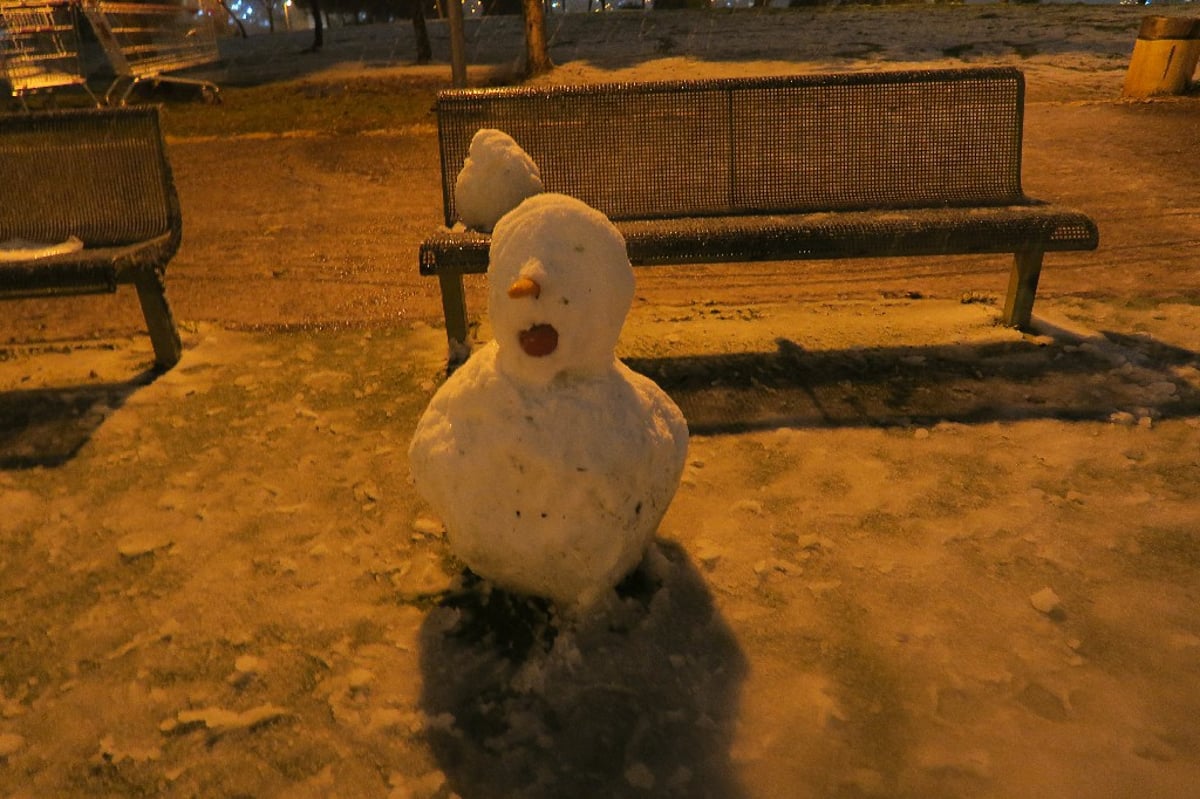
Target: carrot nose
(524,287)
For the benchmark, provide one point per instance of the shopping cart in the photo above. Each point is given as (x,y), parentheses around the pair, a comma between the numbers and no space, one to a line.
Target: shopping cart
(39,47)
(151,42)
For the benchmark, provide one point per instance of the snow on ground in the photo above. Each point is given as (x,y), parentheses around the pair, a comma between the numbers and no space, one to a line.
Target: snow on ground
(914,554)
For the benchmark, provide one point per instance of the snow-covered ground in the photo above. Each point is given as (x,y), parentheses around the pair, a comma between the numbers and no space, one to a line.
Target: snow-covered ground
(914,554)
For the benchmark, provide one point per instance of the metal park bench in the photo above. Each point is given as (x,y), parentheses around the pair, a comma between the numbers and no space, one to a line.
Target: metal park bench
(96,181)
(152,42)
(913,163)
(39,47)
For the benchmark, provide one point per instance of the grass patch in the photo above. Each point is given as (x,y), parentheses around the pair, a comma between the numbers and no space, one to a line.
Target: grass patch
(880,523)
(1172,552)
(345,106)
(1146,302)
(860,50)
(768,463)
(969,483)
(958,50)
(353,105)
(1027,50)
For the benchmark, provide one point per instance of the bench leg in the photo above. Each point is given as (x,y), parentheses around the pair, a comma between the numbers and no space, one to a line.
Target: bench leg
(159,321)
(454,309)
(1022,287)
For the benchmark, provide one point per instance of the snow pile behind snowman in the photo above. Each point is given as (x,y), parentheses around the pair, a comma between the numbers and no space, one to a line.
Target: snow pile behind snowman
(550,462)
(494,179)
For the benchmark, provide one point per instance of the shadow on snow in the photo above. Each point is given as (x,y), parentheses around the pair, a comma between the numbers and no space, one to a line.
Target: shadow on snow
(638,699)
(1061,376)
(48,426)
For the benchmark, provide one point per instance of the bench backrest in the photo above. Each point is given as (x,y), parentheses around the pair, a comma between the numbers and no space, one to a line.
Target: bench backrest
(792,144)
(99,174)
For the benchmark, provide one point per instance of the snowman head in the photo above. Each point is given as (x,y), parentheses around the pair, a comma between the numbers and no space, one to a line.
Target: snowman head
(496,175)
(560,285)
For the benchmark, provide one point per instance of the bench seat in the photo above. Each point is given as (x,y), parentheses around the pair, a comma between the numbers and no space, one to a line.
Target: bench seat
(90,270)
(793,237)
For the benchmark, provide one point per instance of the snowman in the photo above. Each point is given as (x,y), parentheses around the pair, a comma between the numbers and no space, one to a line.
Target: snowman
(550,462)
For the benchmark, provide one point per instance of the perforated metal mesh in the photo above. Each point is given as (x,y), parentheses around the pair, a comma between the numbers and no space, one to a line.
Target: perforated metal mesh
(880,141)
(795,144)
(636,150)
(98,174)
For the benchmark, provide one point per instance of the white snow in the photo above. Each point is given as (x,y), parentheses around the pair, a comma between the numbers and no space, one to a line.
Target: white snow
(219,720)
(1046,601)
(17,249)
(550,490)
(495,177)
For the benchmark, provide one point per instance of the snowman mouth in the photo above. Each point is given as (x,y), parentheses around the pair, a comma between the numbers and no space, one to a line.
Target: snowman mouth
(538,341)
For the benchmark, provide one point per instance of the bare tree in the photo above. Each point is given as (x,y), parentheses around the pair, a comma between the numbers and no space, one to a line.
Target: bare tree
(421,33)
(241,28)
(537,50)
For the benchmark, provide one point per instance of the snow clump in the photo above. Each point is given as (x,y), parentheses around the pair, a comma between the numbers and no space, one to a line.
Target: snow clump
(496,176)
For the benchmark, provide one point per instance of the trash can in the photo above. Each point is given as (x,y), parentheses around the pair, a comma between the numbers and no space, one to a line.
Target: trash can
(1164,57)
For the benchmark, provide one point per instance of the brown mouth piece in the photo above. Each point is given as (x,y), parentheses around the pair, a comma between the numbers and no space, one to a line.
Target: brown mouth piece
(539,340)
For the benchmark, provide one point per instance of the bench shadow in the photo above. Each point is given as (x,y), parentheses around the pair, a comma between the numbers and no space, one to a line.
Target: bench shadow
(48,426)
(639,699)
(1059,376)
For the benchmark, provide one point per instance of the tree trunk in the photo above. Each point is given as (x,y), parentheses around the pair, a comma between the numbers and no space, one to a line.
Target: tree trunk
(424,48)
(537,52)
(318,26)
(241,28)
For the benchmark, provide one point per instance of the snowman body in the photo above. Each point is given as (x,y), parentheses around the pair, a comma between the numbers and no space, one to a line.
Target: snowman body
(550,462)
(553,490)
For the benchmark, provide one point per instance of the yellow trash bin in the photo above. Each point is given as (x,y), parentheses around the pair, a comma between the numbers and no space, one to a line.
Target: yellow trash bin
(1164,57)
